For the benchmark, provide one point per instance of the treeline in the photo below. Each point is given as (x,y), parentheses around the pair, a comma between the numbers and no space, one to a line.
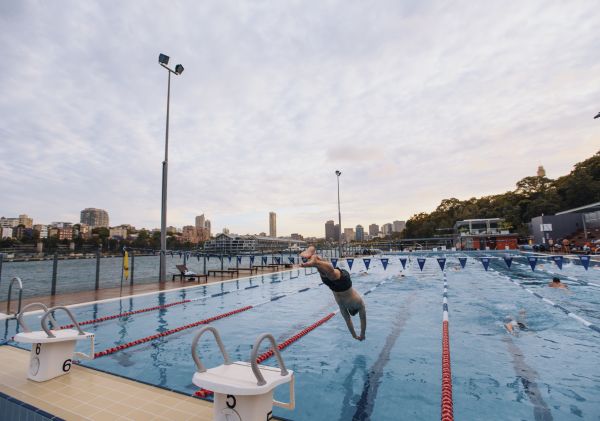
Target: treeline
(532,197)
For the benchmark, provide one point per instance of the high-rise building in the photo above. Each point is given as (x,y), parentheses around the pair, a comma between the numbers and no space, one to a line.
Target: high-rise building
(541,172)
(272,224)
(329,231)
(386,229)
(373,230)
(398,226)
(202,228)
(207,228)
(200,222)
(336,237)
(26,221)
(94,217)
(360,233)
(349,234)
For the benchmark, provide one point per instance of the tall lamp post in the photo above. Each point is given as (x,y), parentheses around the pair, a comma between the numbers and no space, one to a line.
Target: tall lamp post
(163,60)
(338,173)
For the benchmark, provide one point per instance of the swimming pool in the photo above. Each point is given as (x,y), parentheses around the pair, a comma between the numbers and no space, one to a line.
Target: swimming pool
(547,372)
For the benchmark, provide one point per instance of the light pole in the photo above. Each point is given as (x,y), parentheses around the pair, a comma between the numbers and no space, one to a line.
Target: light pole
(338,173)
(163,60)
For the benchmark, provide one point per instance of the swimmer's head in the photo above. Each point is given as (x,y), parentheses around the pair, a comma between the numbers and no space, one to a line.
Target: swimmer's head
(555,280)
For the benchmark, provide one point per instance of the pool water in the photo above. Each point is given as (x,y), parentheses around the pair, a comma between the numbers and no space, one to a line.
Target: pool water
(549,371)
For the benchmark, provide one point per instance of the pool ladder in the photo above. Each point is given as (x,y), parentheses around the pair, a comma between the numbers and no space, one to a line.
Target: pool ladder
(10,286)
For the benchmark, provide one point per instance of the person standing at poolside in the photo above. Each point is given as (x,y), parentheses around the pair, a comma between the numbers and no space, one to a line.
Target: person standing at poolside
(347,298)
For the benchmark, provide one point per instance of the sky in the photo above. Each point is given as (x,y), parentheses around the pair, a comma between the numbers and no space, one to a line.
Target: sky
(414,101)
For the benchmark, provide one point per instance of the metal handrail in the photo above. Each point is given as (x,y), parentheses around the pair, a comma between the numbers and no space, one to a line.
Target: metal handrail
(22,313)
(259,377)
(12,281)
(47,314)
(215,332)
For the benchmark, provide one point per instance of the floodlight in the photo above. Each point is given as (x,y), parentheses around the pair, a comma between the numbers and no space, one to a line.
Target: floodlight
(163,59)
(179,69)
(338,172)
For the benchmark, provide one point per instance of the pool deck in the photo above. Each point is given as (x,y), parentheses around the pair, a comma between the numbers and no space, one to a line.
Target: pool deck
(80,297)
(87,394)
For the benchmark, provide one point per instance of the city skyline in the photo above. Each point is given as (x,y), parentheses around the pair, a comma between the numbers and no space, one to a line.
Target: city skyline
(450,105)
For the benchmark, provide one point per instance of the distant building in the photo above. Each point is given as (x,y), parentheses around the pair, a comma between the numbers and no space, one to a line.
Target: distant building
(9,222)
(58,224)
(373,230)
(190,233)
(85,231)
(225,230)
(329,231)
(349,234)
(482,234)
(262,234)
(118,232)
(338,232)
(398,226)
(65,233)
(387,229)
(541,172)
(6,232)
(26,221)
(360,233)
(94,217)
(272,224)
(296,236)
(41,230)
(202,229)
(232,244)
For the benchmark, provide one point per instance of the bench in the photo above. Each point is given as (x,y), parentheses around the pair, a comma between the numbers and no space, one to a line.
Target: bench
(191,276)
(275,267)
(215,271)
(252,270)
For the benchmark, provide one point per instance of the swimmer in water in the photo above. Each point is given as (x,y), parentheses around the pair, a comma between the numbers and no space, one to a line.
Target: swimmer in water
(557,284)
(513,326)
(347,298)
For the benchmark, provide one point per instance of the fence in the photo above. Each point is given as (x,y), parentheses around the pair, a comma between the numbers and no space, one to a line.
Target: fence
(59,274)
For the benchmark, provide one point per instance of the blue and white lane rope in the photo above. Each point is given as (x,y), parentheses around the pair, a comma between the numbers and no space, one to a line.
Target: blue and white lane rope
(570,278)
(553,304)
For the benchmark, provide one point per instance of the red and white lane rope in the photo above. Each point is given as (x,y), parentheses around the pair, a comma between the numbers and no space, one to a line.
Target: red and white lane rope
(128,313)
(168,332)
(447,410)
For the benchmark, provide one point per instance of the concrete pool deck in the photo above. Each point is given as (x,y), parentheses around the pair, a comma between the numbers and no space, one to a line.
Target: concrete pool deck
(87,394)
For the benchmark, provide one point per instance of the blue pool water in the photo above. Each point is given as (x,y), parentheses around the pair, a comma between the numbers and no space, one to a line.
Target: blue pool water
(549,372)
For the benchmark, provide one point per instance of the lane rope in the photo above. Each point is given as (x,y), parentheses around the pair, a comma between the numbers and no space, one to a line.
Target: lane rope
(159,307)
(553,304)
(447,412)
(118,348)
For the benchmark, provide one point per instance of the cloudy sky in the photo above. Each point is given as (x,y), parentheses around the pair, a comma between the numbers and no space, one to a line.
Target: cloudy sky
(413,101)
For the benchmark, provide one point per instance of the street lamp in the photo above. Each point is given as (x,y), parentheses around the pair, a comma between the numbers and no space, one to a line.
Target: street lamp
(597,116)
(338,173)
(163,60)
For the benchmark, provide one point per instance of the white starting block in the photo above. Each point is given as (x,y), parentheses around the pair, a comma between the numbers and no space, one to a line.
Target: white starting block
(52,351)
(243,391)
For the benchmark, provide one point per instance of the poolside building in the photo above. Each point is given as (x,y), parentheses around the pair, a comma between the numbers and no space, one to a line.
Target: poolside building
(484,234)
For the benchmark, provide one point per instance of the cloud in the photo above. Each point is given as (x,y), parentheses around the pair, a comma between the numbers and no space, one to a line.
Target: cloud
(413,101)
